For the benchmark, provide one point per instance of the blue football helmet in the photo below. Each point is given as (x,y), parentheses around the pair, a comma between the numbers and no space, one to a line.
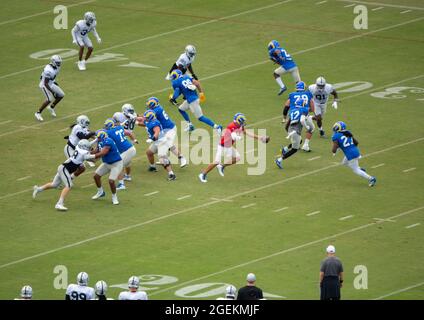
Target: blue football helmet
(152,103)
(149,116)
(240,119)
(339,126)
(101,135)
(300,86)
(273,44)
(109,124)
(176,74)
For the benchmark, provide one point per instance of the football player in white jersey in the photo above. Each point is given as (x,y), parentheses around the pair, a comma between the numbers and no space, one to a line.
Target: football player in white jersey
(80,37)
(81,290)
(127,119)
(321,90)
(64,172)
(79,131)
(184,62)
(230,293)
(133,293)
(26,293)
(49,87)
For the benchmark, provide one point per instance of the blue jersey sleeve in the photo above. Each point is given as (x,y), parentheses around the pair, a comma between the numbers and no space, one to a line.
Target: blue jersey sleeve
(336,137)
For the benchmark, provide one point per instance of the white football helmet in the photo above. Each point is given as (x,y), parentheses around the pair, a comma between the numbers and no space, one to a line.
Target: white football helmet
(56,60)
(84,144)
(26,292)
(82,278)
(133,282)
(231,292)
(101,288)
(128,110)
(89,17)
(320,82)
(83,121)
(190,50)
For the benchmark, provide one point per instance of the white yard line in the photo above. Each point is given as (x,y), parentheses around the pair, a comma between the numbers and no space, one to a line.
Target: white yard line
(321,2)
(64,129)
(221,200)
(248,205)
(313,213)
(87,186)
(23,178)
(314,158)
(281,209)
(380,219)
(382,4)
(10,132)
(207,204)
(43,13)
(376,9)
(5,122)
(184,197)
(400,291)
(377,166)
(412,225)
(409,170)
(349,5)
(406,11)
(292,249)
(346,217)
(151,193)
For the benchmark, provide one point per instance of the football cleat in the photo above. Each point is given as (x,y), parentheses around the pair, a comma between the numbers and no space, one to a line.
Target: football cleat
(121,186)
(202,178)
(282,90)
(52,112)
(153,169)
(322,133)
(218,129)
(115,199)
(189,128)
(98,195)
(38,116)
(183,162)
(306,148)
(220,169)
(172,177)
(372,181)
(279,163)
(284,150)
(35,192)
(60,207)
(127,177)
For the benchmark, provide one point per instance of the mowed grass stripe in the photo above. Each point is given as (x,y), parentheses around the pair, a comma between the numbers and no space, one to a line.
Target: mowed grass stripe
(207,204)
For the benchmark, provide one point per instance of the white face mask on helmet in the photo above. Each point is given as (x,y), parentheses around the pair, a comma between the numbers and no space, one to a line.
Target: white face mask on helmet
(320,82)
(133,282)
(82,278)
(89,17)
(83,121)
(231,291)
(56,60)
(84,144)
(128,110)
(190,51)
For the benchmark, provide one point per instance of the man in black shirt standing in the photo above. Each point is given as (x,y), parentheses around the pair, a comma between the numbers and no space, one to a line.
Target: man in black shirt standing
(331,275)
(250,291)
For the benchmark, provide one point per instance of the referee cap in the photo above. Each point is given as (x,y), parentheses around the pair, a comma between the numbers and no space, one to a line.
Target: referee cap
(331,249)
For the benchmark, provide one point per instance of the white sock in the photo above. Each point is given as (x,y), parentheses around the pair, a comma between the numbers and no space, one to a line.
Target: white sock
(39,189)
(170,172)
(361,173)
(280,159)
(114,196)
(320,128)
(121,181)
(306,144)
(61,201)
(280,82)
(100,190)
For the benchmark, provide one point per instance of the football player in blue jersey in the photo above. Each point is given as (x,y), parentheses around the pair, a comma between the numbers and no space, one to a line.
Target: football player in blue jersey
(187,86)
(294,128)
(304,98)
(112,164)
(287,65)
(119,135)
(169,129)
(158,142)
(344,140)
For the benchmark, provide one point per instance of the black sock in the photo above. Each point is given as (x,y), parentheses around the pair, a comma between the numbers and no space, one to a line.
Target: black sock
(289,153)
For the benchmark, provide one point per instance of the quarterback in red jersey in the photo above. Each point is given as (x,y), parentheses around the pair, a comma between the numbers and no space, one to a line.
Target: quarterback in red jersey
(231,134)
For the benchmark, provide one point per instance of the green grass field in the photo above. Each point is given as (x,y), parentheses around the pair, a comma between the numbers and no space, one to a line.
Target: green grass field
(192,247)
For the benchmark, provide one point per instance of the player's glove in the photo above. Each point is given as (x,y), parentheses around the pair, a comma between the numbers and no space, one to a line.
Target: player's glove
(149,140)
(136,141)
(202,97)
(173,101)
(99,40)
(194,76)
(334,105)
